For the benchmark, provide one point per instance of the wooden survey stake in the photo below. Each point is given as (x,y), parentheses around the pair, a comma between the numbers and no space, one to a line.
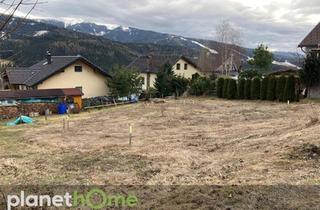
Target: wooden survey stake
(130,135)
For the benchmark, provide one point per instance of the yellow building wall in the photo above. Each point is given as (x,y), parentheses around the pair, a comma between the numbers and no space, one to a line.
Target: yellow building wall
(92,82)
(191,70)
(153,77)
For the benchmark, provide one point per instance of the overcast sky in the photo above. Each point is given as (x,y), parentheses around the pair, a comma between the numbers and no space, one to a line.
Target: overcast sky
(281,24)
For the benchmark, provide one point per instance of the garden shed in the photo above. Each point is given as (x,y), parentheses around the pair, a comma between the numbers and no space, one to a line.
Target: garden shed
(14,103)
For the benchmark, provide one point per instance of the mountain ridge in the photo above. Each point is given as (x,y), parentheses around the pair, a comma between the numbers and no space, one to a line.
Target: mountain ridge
(95,42)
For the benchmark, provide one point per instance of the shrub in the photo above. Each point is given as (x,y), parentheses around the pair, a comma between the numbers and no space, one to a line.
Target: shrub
(264,88)
(220,83)
(225,88)
(197,87)
(271,89)
(255,88)
(297,89)
(232,89)
(247,89)
(289,90)
(249,74)
(202,86)
(179,85)
(241,84)
(310,72)
(195,76)
(281,83)
(124,82)
(211,87)
(153,93)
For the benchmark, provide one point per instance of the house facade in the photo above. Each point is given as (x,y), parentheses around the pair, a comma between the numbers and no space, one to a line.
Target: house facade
(149,66)
(311,44)
(61,72)
(186,68)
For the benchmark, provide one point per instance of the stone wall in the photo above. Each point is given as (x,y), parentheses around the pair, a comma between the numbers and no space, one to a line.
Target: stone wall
(25,109)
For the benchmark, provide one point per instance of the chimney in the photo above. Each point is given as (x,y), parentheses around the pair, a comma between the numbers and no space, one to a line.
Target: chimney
(49,60)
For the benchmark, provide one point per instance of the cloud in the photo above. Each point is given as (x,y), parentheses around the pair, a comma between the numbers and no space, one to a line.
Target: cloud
(281,24)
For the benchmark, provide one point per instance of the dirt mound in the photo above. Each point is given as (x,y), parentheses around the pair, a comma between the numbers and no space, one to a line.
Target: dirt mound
(306,152)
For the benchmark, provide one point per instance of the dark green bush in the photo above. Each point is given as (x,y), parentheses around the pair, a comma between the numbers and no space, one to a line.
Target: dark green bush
(195,76)
(264,88)
(247,89)
(281,83)
(249,74)
(297,89)
(211,87)
(255,88)
(232,89)
(153,93)
(241,84)
(220,83)
(271,96)
(179,85)
(289,90)
(202,86)
(225,88)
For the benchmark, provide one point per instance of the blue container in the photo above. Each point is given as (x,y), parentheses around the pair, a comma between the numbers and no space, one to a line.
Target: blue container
(62,108)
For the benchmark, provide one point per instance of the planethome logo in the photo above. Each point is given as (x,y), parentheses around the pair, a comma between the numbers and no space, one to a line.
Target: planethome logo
(96,199)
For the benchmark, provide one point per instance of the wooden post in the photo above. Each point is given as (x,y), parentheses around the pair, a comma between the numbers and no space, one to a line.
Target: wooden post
(114,102)
(68,124)
(130,135)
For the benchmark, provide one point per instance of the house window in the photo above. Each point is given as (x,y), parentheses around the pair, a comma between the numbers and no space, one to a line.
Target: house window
(185,66)
(178,66)
(78,68)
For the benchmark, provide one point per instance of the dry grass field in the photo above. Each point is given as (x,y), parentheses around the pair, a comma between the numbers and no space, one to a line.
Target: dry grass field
(184,142)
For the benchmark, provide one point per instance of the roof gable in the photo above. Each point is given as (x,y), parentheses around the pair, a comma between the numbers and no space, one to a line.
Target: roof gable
(312,39)
(189,61)
(154,64)
(41,71)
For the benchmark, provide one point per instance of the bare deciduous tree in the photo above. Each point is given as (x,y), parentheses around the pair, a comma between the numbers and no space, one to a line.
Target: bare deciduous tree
(9,24)
(8,9)
(231,38)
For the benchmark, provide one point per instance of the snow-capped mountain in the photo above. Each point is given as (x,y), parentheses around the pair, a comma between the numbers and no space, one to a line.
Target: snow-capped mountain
(74,37)
(134,35)
(131,35)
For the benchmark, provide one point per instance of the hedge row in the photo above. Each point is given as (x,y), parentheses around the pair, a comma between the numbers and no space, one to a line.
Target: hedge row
(270,88)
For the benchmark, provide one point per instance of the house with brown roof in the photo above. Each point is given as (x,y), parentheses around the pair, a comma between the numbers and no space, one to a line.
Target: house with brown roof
(149,66)
(58,72)
(311,43)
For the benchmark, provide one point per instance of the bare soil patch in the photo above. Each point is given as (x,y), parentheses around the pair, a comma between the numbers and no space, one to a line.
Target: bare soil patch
(185,142)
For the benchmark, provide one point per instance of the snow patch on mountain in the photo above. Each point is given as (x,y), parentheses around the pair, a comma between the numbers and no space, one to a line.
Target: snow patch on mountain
(126,29)
(205,47)
(286,63)
(71,21)
(201,45)
(40,33)
(111,26)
